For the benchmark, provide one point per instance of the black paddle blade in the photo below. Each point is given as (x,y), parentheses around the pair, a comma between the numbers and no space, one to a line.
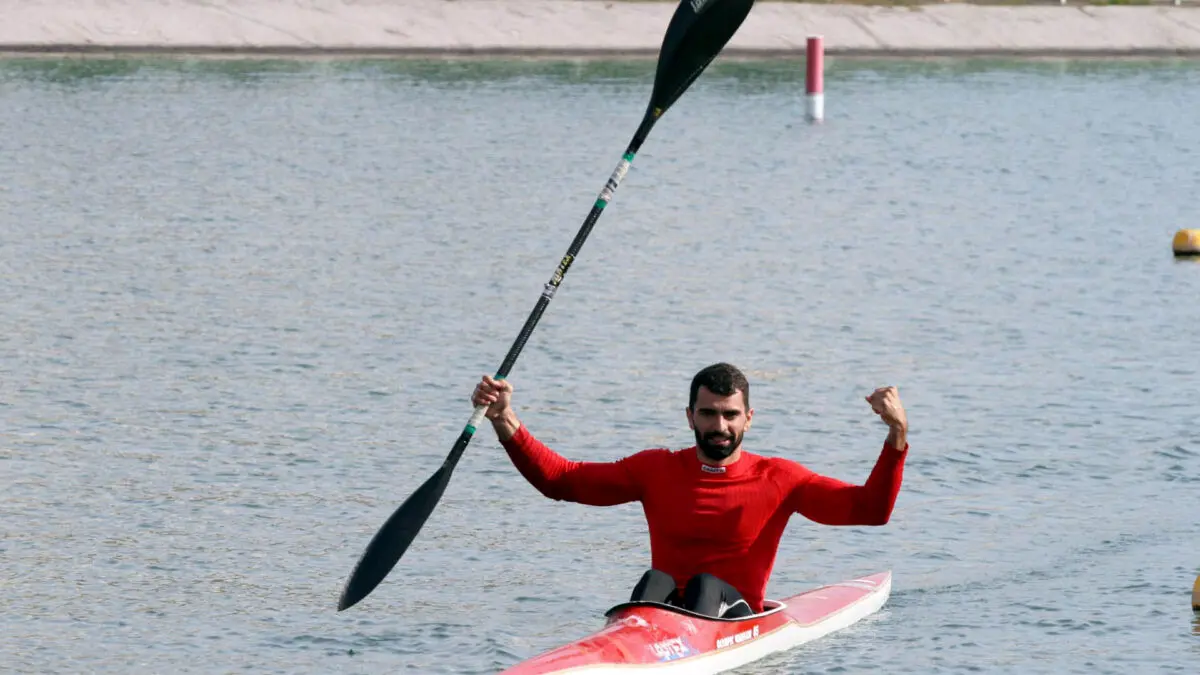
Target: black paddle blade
(393,539)
(698,32)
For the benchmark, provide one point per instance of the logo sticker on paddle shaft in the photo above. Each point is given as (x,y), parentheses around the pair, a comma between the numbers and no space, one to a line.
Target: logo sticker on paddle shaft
(557,277)
(699,5)
(738,639)
(675,648)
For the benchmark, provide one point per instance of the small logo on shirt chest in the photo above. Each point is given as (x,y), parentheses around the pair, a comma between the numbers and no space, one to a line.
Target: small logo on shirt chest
(712,469)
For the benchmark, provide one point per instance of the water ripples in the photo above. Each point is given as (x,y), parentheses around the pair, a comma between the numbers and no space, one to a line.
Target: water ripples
(246,303)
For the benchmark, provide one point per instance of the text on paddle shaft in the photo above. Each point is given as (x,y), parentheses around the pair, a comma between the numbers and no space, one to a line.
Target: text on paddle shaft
(737,639)
(699,5)
(557,277)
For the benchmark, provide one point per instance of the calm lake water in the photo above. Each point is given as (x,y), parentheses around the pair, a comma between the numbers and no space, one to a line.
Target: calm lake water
(245,302)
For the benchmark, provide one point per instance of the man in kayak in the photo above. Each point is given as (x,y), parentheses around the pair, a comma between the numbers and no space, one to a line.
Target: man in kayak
(715,511)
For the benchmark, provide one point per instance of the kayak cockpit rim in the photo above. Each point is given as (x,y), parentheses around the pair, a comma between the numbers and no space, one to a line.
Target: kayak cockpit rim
(769,607)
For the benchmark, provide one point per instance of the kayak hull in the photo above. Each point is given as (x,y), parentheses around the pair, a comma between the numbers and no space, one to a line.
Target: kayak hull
(646,636)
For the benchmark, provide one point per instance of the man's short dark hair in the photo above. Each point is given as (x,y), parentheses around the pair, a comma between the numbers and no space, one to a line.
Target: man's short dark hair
(721,379)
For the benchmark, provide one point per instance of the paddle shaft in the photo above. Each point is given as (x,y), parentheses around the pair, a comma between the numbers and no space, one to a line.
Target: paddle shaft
(390,542)
(556,279)
(695,35)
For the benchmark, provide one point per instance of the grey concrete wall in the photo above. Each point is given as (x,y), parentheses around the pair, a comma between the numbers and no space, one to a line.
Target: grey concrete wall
(581,26)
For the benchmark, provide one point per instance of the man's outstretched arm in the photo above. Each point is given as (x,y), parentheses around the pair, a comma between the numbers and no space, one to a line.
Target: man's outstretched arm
(592,483)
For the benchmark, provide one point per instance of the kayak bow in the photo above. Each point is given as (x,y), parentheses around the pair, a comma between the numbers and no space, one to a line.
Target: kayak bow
(644,636)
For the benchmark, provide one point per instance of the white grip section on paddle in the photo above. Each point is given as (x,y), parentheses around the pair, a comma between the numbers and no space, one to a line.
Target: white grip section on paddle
(477,417)
(614,180)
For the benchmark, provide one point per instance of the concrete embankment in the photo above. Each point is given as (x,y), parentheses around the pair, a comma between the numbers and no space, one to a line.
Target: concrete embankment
(583,27)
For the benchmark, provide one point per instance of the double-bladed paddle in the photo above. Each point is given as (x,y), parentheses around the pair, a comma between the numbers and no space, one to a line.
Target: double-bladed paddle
(698,31)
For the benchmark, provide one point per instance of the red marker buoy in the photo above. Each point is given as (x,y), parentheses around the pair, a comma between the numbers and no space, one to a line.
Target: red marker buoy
(815,78)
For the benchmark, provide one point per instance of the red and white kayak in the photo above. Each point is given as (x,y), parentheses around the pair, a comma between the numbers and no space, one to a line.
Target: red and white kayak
(645,636)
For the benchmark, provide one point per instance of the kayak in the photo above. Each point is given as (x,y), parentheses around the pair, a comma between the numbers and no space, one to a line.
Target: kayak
(651,636)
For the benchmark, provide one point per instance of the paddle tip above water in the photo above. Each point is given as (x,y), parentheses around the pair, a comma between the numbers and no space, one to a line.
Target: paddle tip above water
(356,588)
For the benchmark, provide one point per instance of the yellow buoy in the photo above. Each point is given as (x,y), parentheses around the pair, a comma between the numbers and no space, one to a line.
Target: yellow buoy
(1186,242)
(1196,595)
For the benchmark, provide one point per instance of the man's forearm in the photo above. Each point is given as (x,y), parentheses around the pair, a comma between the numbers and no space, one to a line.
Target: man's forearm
(897,437)
(506,425)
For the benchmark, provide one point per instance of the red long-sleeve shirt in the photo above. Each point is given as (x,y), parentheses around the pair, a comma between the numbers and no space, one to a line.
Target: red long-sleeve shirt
(726,523)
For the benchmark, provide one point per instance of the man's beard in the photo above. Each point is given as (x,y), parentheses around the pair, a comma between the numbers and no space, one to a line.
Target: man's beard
(714,451)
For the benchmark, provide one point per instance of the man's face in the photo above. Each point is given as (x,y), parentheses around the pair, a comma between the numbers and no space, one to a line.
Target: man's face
(719,423)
